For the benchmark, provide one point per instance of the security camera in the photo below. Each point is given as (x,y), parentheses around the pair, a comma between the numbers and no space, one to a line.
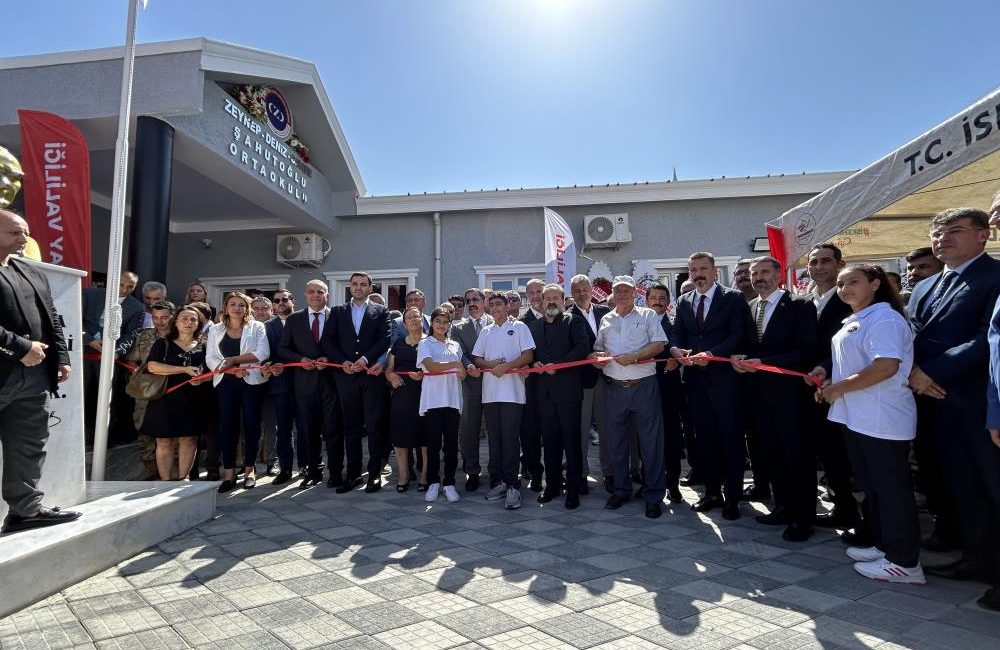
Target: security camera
(207,243)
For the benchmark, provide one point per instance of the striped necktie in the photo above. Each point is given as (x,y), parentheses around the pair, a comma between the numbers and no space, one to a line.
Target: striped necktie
(761,310)
(944,285)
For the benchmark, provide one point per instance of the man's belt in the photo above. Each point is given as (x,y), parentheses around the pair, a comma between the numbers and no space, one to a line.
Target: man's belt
(625,383)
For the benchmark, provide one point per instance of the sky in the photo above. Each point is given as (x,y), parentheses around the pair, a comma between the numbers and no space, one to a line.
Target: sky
(446,95)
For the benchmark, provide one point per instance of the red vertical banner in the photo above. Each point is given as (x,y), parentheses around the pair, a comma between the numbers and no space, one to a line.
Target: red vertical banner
(56,165)
(776,242)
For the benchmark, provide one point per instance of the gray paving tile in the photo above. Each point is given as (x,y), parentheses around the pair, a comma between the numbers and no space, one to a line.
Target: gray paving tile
(575,597)
(523,637)
(319,631)
(808,600)
(426,635)
(579,630)
(773,611)
(485,591)
(177,611)
(379,617)
(734,624)
(163,637)
(878,618)
(481,621)
(55,626)
(283,612)
(685,635)
(344,599)
(932,634)
(911,604)
(576,570)
(401,587)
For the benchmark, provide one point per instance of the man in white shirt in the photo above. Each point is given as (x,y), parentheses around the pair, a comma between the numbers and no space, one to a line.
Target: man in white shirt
(503,346)
(626,336)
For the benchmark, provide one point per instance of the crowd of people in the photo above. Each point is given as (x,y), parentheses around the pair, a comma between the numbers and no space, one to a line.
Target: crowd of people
(889,392)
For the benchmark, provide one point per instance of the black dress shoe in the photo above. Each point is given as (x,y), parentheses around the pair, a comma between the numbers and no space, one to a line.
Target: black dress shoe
(959,570)
(674,493)
(472,484)
(707,503)
(349,485)
(226,486)
(776,518)
(692,478)
(307,481)
(373,486)
(284,476)
(756,493)
(46,517)
(572,501)
(731,511)
(834,520)
(991,599)
(584,489)
(796,532)
(654,510)
(535,485)
(614,502)
(609,484)
(547,496)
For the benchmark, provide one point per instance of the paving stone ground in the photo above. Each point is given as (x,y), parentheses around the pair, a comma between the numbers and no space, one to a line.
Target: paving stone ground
(290,568)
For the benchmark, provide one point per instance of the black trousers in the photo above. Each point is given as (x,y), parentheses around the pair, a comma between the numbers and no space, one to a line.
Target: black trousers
(786,449)
(318,416)
(239,402)
(756,445)
(472,423)
(883,469)
(560,425)
(671,396)
(24,430)
(441,425)
(531,435)
(503,423)
(932,414)
(832,451)
(721,450)
(361,403)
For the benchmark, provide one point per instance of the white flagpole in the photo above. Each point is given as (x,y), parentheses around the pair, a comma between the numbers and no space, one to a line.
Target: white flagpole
(112,310)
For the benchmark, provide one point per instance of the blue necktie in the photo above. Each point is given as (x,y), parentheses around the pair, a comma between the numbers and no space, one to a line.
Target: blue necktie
(947,280)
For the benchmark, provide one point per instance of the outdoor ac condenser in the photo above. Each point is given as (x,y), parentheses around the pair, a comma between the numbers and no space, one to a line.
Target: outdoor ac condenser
(606,230)
(301,249)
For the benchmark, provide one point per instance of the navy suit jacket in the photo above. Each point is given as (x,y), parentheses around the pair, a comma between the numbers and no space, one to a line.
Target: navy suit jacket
(340,343)
(133,313)
(567,341)
(589,375)
(726,332)
(297,342)
(281,384)
(951,345)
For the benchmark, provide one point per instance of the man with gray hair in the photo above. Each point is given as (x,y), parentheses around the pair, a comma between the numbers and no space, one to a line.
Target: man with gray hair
(152,293)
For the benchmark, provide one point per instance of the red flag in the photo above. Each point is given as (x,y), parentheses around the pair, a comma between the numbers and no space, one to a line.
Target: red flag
(776,242)
(56,165)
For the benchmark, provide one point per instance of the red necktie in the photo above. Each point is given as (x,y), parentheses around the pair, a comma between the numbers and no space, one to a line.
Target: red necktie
(700,316)
(315,327)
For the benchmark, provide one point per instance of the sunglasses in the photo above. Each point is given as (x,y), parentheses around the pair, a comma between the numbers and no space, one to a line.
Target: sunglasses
(283,300)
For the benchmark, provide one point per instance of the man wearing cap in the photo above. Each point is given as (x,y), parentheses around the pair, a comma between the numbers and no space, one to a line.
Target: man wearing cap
(626,336)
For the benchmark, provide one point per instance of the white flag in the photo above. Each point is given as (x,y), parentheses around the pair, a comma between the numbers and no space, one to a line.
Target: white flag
(560,251)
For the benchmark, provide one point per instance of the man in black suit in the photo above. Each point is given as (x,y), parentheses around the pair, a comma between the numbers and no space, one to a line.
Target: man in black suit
(315,396)
(33,361)
(356,336)
(531,435)
(825,262)
(671,396)
(591,379)
(281,388)
(466,332)
(950,313)
(713,320)
(784,336)
(559,337)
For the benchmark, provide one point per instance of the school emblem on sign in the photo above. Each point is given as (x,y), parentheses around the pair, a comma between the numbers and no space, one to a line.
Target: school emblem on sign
(804,229)
(279,117)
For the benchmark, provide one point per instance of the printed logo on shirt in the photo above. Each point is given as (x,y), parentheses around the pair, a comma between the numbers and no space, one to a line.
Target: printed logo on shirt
(853,327)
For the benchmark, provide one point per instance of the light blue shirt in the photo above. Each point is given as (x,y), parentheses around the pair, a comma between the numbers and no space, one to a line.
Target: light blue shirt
(357,314)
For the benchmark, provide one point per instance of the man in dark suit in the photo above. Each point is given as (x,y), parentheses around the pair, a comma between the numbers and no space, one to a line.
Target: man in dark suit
(825,262)
(531,435)
(991,599)
(950,313)
(671,397)
(281,388)
(784,336)
(315,396)
(713,320)
(466,332)
(356,336)
(559,337)
(591,379)
(33,360)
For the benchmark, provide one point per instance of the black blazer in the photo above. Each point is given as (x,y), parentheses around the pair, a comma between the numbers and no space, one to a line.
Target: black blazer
(13,345)
(297,342)
(133,314)
(951,345)
(281,384)
(726,332)
(830,321)
(567,341)
(340,343)
(589,375)
(789,340)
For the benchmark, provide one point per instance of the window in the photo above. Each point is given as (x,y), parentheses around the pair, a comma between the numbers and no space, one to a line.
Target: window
(673,272)
(219,286)
(508,276)
(391,283)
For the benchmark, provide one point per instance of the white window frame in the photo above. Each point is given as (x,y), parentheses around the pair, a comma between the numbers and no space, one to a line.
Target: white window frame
(217,286)
(726,264)
(487,273)
(339,281)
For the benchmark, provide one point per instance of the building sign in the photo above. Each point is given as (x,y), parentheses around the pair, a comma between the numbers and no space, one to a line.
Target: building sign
(266,155)
(279,117)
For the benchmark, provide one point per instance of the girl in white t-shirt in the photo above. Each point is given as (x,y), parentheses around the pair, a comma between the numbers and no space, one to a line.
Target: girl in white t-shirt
(441,404)
(869,397)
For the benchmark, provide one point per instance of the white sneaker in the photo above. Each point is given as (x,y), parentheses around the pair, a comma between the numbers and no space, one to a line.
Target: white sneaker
(513,501)
(859,554)
(885,571)
(451,493)
(432,492)
(497,492)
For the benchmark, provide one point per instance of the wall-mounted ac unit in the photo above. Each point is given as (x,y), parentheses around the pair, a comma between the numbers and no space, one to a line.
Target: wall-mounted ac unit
(301,249)
(606,230)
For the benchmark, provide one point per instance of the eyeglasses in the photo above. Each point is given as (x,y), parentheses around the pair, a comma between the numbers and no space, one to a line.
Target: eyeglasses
(283,300)
(938,235)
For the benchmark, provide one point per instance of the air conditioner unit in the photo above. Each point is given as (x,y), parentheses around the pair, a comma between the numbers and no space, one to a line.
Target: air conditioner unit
(606,230)
(302,249)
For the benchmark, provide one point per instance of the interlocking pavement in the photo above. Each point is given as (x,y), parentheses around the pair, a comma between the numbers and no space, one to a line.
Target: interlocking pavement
(289,568)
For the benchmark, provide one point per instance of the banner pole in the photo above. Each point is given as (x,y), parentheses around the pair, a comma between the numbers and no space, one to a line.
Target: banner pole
(112,310)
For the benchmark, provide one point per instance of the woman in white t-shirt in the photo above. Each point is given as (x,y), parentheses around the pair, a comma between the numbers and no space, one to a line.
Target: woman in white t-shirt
(869,397)
(441,404)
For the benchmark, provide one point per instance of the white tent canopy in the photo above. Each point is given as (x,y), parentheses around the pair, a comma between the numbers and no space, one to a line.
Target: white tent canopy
(956,163)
